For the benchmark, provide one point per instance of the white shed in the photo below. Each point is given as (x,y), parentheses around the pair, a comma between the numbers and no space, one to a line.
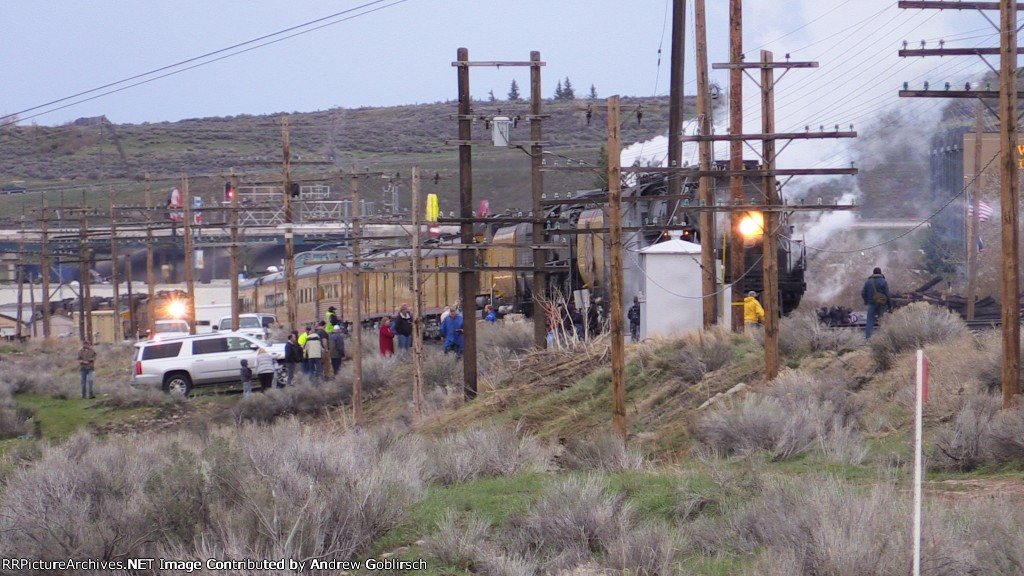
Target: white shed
(671,299)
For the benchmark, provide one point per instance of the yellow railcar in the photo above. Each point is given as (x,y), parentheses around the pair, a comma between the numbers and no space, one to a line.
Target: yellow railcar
(386,279)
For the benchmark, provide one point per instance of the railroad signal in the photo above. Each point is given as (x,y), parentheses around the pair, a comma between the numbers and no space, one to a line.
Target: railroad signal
(229,192)
(295,190)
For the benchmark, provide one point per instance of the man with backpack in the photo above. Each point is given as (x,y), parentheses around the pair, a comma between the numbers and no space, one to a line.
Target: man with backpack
(877,298)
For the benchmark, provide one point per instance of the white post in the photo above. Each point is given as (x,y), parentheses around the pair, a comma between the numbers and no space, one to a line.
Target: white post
(921,390)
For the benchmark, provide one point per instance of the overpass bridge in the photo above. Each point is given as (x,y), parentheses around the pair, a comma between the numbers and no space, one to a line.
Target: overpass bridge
(317,221)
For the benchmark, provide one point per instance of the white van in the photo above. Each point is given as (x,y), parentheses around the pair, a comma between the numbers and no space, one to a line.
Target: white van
(256,325)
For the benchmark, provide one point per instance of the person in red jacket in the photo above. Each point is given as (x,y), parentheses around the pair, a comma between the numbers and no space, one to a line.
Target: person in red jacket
(387,338)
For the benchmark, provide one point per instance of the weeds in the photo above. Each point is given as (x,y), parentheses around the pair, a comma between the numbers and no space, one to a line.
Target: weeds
(456,542)
(576,521)
(253,491)
(799,414)
(802,334)
(604,452)
(480,452)
(980,435)
(296,400)
(911,327)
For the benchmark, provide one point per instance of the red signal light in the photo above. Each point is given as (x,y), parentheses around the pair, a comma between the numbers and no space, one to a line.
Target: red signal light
(229,192)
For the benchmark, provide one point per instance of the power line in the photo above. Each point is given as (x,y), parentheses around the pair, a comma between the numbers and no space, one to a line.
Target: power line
(916,226)
(201,60)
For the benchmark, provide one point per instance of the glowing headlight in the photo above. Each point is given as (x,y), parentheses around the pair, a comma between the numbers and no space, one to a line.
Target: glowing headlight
(176,309)
(752,225)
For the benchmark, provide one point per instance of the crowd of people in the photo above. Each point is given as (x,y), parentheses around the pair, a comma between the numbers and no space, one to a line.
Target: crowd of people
(567,322)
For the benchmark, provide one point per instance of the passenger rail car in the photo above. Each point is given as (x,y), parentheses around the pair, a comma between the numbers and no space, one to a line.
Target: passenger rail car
(574,262)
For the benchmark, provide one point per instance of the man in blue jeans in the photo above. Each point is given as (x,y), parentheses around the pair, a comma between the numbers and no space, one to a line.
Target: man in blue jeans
(876,295)
(87,364)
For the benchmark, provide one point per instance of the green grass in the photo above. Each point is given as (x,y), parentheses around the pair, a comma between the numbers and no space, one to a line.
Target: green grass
(655,494)
(59,418)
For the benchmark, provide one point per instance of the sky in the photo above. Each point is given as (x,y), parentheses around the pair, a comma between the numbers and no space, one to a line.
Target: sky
(393,52)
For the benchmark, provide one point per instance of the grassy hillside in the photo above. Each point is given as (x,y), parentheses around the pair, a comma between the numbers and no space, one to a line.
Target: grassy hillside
(83,158)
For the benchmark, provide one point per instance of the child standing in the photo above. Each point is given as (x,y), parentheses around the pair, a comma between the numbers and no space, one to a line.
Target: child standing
(246,374)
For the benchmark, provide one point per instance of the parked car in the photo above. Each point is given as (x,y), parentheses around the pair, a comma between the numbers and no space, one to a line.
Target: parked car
(256,325)
(163,329)
(13,189)
(179,364)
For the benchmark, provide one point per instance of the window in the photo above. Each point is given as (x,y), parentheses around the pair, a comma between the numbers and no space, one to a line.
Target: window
(236,343)
(157,351)
(248,322)
(209,346)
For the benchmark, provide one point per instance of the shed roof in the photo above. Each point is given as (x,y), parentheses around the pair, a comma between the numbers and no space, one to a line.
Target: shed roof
(672,246)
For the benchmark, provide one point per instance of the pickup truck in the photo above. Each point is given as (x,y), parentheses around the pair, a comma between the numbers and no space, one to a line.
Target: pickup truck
(170,329)
(256,325)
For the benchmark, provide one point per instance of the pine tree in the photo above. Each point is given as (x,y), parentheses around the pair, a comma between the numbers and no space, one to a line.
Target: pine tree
(513,92)
(567,92)
(593,92)
(490,97)
(559,93)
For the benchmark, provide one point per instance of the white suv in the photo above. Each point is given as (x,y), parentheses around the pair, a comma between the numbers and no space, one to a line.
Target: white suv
(177,365)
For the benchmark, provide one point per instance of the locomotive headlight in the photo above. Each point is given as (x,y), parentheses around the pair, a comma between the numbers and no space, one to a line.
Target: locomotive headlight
(176,309)
(752,225)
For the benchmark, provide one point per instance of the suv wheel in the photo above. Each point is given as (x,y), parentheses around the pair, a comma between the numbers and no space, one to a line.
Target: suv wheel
(178,383)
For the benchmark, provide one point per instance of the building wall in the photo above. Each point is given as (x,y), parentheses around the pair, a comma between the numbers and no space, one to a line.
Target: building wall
(672,291)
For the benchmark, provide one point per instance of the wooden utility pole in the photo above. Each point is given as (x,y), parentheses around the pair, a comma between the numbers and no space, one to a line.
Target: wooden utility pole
(44,270)
(85,280)
(618,344)
(972,217)
(190,257)
(736,263)
(417,296)
(1008,185)
(1008,188)
(233,268)
(133,327)
(150,275)
(772,221)
(468,284)
(32,305)
(675,105)
(537,189)
(289,239)
(21,279)
(116,305)
(357,323)
(769,208)
(709,282)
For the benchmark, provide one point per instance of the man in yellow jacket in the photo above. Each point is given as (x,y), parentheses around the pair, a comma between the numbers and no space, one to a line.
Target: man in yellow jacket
(753,313)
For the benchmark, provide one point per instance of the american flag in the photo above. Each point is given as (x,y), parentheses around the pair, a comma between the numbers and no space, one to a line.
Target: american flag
(984,211)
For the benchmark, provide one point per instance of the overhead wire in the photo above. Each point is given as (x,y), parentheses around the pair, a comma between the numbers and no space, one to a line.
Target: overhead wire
(202,60)
(928,219)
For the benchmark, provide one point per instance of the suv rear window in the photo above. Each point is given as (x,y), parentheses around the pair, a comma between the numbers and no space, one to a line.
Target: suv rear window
(157,351)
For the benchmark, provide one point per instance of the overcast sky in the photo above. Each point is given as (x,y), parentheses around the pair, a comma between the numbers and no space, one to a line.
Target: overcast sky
(395,52)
